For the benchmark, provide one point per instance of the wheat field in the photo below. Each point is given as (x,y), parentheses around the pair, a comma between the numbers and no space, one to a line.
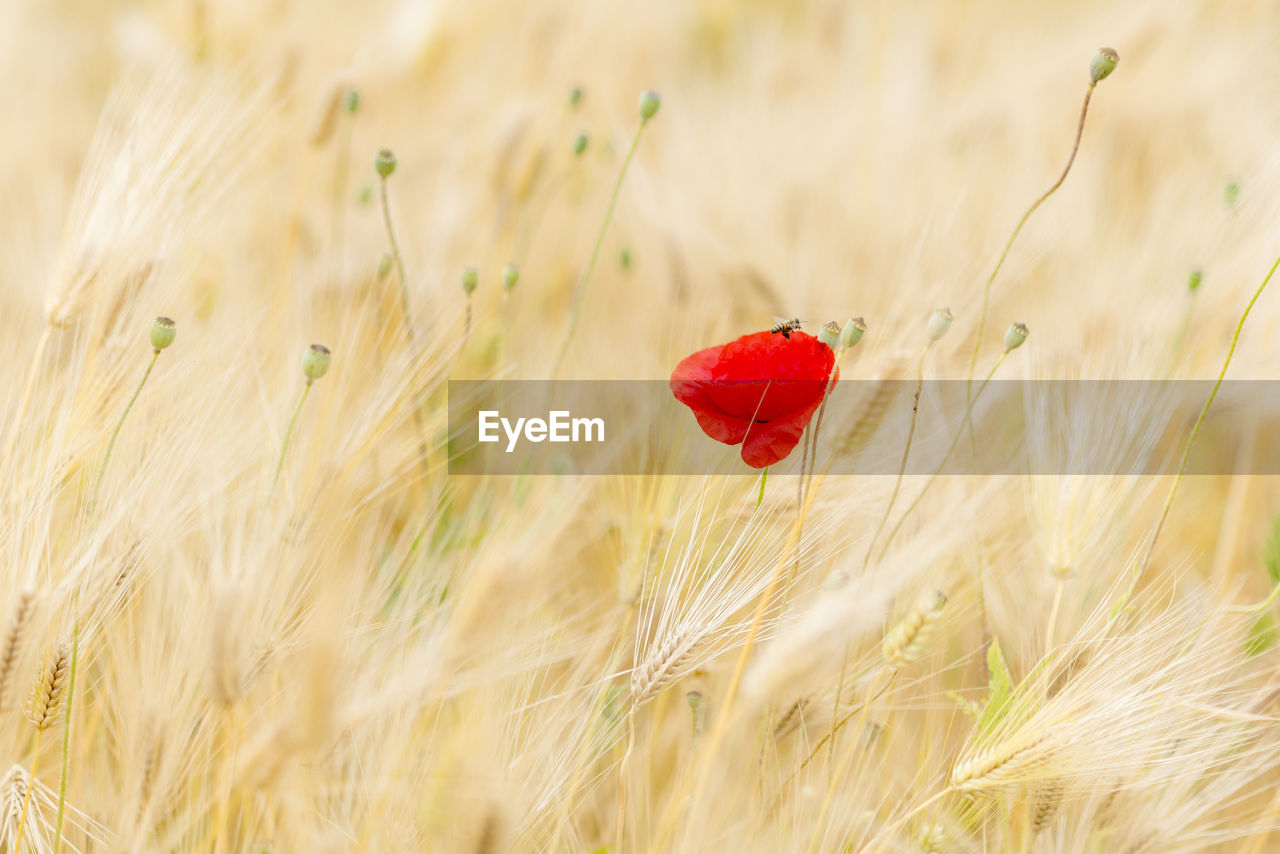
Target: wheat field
(247,607)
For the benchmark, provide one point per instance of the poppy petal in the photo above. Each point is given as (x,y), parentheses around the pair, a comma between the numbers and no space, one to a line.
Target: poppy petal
(766,444)
(760,389)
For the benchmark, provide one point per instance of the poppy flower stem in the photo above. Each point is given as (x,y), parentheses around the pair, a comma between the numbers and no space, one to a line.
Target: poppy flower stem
(395,253)
(809,456)
(950,450)
(288,434)
(408,318)
(1013,236)
(580,292)
(764,475)
(1141,568)
(115,434)
(906,452)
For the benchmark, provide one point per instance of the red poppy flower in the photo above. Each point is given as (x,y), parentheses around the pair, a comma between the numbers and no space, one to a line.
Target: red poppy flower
(759,390)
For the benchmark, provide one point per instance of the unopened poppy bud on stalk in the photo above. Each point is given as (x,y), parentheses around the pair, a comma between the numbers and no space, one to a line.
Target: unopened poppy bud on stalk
(470,279)
(575,96)
(939,323)
(579,144)
(163,331)
(510,275)
(1015,336)
(829,334)
(1103,63)
(384,162)
(649,103)
(315,362)
(852,333)
(352,101)
(384,265)
(1193,282)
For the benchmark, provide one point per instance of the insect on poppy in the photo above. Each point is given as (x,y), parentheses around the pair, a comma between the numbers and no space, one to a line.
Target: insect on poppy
(759,391)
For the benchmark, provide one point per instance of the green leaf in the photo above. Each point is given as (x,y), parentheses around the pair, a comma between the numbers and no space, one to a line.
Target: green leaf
(1001,689)
(1271,552)
(1262,635)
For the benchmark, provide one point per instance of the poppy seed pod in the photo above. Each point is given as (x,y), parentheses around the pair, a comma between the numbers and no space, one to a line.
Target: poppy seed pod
(510,275)
(1103,63)
(163,331)
(470,278)
(579,144)
(852,333)
(830,334)
(384,162)
(939,323)
(649,103)
(1015,336)
(315,362)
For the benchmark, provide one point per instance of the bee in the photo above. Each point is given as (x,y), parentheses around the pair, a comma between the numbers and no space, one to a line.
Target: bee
(786,327)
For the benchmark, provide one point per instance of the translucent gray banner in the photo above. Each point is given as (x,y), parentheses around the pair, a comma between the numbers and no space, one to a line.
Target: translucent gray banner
(1042,427)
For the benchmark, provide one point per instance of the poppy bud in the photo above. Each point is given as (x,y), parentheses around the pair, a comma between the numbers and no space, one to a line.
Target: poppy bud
(649,103)
(384,265)
(624,258)
(694,699)
(470,278)
(163,331)
(510,275)
(579,144)
(1103,63)
(352,101)
(384,162)
(829,334)
(575,96)
(939,323)
(315,362)
(852,333)
(1193,281)
(1016,334)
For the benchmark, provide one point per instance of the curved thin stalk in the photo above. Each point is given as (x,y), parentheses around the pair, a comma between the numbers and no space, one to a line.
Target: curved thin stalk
(288,432)
(580,292)
(959,433)
(906,452)
(1017,229)
(1195,431)
(111,444)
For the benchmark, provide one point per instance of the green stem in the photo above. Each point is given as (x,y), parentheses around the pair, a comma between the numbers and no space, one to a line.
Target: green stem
(1195,431)
(764,475)
(408,322)
(395,253)
(906,452)
(66,729)
(955,441)
(288,432)
(111,444)
(1017,229)
(580,292)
